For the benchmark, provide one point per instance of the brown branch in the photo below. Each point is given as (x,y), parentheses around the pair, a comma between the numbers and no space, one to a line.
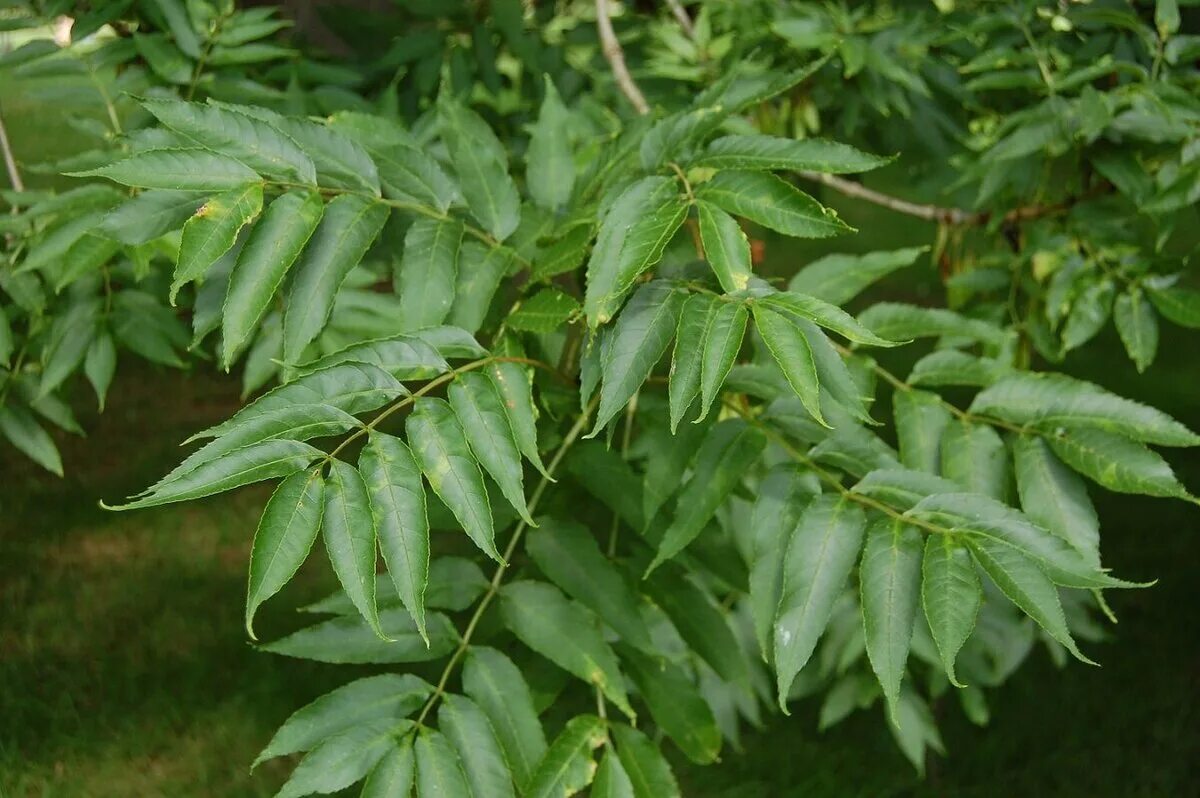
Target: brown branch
(616,59)
(10,163)
(682,17)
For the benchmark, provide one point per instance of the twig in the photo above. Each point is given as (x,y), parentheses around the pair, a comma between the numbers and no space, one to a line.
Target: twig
(10,163)
(684,20)
(616,59)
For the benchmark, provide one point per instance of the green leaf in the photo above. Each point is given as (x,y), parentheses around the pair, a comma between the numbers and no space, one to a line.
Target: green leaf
(914,729)
(780,499)
(607,476)
(974,456)
(889,584)
(428,270)
(1180,305)
(1050,401)
(350,539)
(687,359)
(286,532)
(728,452)
(397,500)
(470,732)
(410,175)
(1019,578)
(725,246)
(568,554)
(270,250)
(723,334)
(1116,463)
(345,233)
(184,169)
(351,640)
(227,131)
(180,26)
(340,160)
(1089,312)
(950,595)
(344,759)
(394,774)
(564,255)
(254,463)
(768,153)
(840,277)
(440,447)
(790,348)
(775,204)
(480,410)
(22,431)
(636,343)
(497,687)
(1166,17)
(825,315)
(482,166)
(1055,497)
(544,312)
(211,232)
(647,768)
(100,364)
(611,779)
(1138,327)
(163,59)
(676,705)
(952,367)
(516,390)
(899,322)
(565,633)
(550,166)
(819,557)
(439,772)
(567,765)
(71,335)
(633,234)
(149,215)
(404,356)
(921,421)
(388,696)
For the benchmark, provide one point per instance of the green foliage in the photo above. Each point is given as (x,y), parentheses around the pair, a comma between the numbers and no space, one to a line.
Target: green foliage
(484,223)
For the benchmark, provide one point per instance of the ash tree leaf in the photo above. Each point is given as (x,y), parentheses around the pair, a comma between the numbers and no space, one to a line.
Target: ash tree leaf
(687,359)
(950,595)
(1019,578)
(149,215)
(254,463)
(544,312)
(1048,401)
(851,393)
(729,450)
(388,696)
(769,153)
(394,774)
(952,367)
(342,238)
(725,246)
(480,411)
(351,640)
(410,175)
(180,26)
(471,734)
(1089,312)
(439,771)
(889,586)
(343,759)
(285,535)
(1055,497)
(1116,462)
(550,165)
(1138,327)
(921,421)
(404,356)
(397,500)
(819,557)
(339,159)
(428,270)
(840,277)
(269,252)
(676,705)
(611,779)
(100,364)
(973,455)
(180,169)
(723,334)
(825,315)
(481,162)
(567,767)
(565,633)
(22,430)
(1179,305)
(440,447)
(211,232)
(636,343)
(513,384)
(567,553)
(773,203)
(644,763)
(227,131)
(348,529)
(915,730)
(70,338)
(496,685)
(633,234)
(896,321)
(790,349)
